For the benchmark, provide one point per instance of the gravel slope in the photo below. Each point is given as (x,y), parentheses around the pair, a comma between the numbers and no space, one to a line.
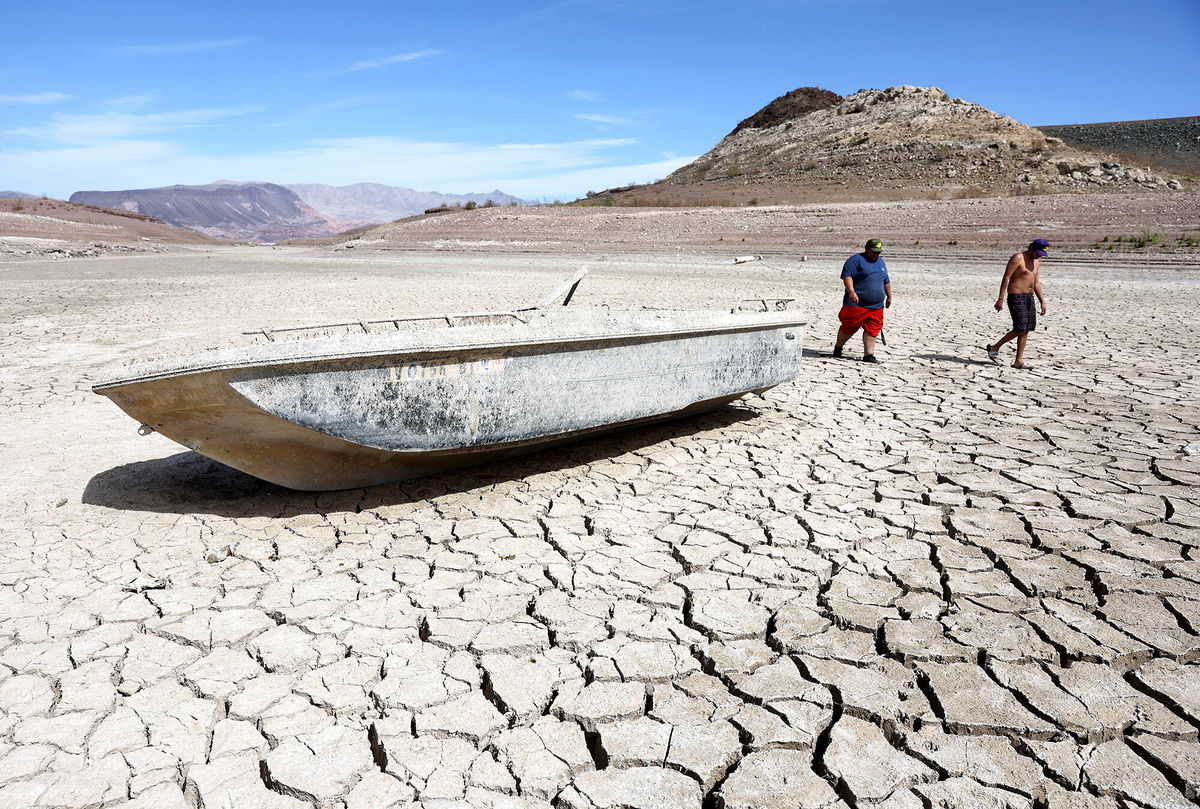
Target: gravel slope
(981,228)
(1170,143)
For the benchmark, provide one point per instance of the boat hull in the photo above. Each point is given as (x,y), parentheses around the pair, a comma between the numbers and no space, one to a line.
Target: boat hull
(323,423)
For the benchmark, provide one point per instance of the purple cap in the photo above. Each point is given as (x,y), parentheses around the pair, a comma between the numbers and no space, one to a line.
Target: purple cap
(1039,246)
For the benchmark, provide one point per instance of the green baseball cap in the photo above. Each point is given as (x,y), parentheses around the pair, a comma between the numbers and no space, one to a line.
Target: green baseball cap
(874,245)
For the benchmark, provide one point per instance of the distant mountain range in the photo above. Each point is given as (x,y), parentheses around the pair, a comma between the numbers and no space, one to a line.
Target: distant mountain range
(255,212)
(267,212)
(372,203)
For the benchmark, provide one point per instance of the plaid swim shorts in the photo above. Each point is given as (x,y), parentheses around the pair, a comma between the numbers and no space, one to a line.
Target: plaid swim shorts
(1023,310)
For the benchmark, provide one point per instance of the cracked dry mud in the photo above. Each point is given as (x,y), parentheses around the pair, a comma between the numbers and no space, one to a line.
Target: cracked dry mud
(931,583)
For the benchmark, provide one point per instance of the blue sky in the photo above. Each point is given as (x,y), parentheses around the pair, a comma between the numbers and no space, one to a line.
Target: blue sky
(542,100)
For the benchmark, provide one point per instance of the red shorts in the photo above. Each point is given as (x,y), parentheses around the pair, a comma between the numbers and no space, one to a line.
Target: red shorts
(855,317)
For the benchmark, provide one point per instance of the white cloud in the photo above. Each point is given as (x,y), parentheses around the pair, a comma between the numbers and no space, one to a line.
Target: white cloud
(383,61)
(434,165)
(177,48)
(584,95)
(532,170)
(604,120)
(36,98)
(91,129)
(110,166)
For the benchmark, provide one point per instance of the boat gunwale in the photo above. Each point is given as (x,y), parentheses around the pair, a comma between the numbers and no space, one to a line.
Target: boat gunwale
(758,323)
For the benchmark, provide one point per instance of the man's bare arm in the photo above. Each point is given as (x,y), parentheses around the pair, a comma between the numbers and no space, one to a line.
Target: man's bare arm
(888,289)
(1037,290)
(849,282)
(1013,266)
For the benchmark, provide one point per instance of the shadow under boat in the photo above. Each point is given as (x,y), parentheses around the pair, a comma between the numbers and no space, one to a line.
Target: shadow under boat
(191,483)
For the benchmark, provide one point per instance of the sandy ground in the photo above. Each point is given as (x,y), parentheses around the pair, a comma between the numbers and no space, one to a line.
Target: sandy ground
(932,582)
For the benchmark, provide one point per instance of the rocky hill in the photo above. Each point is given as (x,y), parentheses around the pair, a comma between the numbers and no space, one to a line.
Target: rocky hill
(899,143)
(1171,144)
(253,212)
(373,203)
(789,106)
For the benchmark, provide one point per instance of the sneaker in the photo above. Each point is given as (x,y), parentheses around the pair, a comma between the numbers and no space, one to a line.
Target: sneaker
(869,358)
(837,351)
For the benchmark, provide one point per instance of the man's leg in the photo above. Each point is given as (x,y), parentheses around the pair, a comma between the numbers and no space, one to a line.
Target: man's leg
(842,337)
(872,328)
(1022,337)
(1005,339)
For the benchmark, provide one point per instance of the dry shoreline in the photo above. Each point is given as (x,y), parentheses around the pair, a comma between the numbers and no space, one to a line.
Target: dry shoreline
(1083,226)
(937,580)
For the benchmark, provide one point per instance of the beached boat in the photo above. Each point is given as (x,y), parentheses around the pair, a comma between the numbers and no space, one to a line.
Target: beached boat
(345,405)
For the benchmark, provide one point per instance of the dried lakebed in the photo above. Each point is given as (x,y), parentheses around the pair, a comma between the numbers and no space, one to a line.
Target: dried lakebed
(935,582)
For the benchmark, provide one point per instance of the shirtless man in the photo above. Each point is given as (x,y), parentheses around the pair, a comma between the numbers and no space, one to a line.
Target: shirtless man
(1018,287)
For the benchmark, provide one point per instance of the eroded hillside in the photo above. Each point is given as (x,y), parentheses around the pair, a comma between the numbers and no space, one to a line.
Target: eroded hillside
(32,228)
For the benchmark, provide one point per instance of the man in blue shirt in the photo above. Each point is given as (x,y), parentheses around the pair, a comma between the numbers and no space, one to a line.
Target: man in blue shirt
(868,292)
